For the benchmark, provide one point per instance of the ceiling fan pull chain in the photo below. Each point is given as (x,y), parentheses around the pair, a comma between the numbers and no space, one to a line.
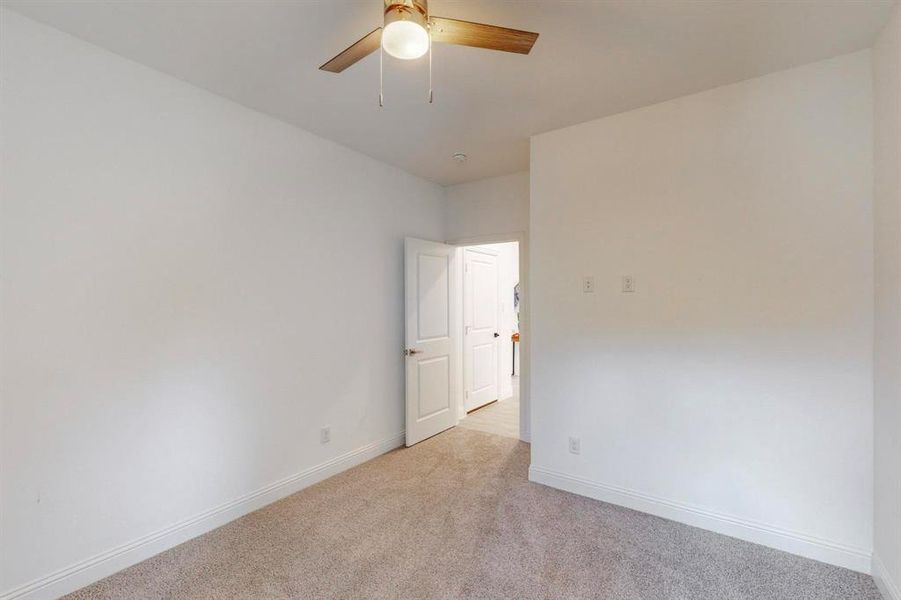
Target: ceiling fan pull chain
(381,97)
(429,26)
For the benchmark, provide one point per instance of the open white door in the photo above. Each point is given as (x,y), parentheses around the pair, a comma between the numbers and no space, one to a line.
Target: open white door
(429,352)
(480,320)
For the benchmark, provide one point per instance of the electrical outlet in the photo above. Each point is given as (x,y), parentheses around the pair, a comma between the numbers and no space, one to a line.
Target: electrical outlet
(588,285)
(628,284)
(575,445)
(325,435)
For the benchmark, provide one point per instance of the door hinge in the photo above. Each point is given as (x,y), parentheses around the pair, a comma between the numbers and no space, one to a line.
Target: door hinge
(466,394)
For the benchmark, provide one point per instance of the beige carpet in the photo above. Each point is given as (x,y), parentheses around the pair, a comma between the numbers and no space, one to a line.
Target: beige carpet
(455,517)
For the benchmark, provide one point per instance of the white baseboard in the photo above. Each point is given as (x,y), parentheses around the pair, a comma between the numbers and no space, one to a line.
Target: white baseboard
(801,544)
(106,563)
(889,588)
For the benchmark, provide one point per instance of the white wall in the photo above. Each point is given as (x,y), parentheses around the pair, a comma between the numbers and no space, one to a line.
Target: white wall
(488,206)
(190,291)
(490,210)
(887,176)
(733,390)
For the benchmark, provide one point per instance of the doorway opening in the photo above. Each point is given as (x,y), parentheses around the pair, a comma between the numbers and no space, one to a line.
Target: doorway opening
(476,383)
(489,352)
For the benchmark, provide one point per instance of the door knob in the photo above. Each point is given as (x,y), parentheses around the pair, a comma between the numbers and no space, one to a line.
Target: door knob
(496,334)
(411,352)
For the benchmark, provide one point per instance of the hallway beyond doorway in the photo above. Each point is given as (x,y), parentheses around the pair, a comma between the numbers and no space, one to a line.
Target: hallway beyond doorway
(499,418)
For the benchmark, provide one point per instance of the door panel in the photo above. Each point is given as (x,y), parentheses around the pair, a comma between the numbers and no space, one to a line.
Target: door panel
(484,284)
(484,369)
(480,314)
(429,351)
(434,386)
(432,298)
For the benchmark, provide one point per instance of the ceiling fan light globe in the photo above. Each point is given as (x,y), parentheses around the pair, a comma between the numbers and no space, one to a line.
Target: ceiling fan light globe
(405,40)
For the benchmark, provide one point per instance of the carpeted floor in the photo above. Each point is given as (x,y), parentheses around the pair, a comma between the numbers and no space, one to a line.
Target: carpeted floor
(455,517)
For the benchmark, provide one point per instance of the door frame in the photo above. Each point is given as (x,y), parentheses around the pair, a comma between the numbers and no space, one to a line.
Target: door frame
(525,376)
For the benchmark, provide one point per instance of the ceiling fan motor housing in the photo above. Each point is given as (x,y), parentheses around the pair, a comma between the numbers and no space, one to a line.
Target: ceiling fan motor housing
(416,11)
(409,29)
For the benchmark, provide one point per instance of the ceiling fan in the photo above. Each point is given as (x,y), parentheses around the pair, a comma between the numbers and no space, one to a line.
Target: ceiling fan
(409,31)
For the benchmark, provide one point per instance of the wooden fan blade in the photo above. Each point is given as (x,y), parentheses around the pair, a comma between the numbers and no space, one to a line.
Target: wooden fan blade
(362,48)
(479,35)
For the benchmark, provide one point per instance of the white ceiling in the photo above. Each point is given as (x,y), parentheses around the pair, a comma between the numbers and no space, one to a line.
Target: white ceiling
(592,59)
